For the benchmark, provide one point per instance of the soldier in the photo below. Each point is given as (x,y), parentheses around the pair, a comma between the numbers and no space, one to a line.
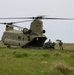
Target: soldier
(51,45)
(60,44)
(54,45)
(45,46)
(49,42)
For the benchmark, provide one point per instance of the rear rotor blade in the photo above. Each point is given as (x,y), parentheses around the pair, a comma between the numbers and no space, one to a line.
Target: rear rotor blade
(1,23)
(10,23)
(21,21)
(5,23)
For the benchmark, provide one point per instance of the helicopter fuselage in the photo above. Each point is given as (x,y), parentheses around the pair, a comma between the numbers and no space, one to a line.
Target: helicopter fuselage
(18,38)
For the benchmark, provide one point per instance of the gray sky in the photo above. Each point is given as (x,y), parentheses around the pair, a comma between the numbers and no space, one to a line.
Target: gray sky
(52,8)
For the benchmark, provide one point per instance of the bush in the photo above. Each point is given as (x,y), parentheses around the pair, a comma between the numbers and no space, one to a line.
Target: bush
(63,68)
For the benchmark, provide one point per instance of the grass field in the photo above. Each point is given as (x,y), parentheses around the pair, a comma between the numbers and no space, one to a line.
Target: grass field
(32,61)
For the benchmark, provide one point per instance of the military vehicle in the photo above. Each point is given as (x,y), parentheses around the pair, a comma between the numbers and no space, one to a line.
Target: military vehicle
(32,37)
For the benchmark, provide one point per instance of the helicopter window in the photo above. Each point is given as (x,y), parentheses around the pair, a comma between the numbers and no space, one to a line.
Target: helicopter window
(23,38)
(19,37)
(28,38)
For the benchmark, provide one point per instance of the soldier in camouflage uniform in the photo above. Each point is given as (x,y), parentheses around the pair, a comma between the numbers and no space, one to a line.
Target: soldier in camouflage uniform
(49,45)
(61,44)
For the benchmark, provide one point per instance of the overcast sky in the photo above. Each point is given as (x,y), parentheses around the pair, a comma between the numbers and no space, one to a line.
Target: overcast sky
(55,29)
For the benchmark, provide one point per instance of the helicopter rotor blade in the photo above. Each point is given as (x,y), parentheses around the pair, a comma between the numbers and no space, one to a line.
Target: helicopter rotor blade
(5,23)
(19,18)
(21,21)
(10,23)
(59,18)
(1,23)
(38,17)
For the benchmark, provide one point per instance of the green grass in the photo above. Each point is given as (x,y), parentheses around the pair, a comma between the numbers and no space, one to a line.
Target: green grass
(32,61)
(16,61)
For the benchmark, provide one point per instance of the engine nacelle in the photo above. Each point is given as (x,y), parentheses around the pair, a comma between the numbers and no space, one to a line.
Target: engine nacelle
(25,31)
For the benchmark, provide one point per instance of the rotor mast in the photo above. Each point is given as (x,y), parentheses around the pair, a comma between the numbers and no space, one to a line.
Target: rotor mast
(9,27)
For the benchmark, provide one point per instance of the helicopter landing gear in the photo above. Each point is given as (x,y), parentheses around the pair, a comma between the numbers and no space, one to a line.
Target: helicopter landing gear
(8,46)
(25,46)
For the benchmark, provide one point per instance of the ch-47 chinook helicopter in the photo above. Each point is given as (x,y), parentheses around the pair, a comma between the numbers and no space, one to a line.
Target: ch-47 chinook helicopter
(33,37)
